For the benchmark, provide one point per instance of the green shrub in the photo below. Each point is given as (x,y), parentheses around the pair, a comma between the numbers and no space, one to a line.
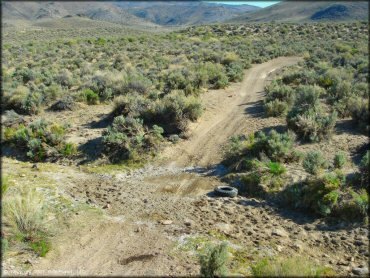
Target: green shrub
(354,206)
(176,80)
(213,262)
(26,212)
(174,112)
(314,162)
(40,139)
(242,151)
(128,105)
(41,246)
(65,78)
(307,96)
(276,108)
(217,77)
(321,193)
(340,160)
(68,150)
(313,124)
(15,98)
(293,267)
(31,104)
(229,58)
(282,93)
(4,246)
(260,179)
(359,110)
(36,151)
(308,117)
(250,185)
(128,139)
(276,169)
(277,146)
(235,72)
(89,96)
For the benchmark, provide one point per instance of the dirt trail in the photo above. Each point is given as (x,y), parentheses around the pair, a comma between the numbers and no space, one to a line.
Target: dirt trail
(228,112)
(150,210)
(132,240)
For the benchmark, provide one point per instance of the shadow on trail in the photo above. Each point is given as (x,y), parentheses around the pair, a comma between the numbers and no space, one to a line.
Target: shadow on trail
(91,150)
(103,122)
(278,128)
(255,109)
(218,170)
(347,126)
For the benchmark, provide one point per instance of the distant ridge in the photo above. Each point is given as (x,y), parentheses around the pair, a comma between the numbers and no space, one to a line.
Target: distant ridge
(147,14)
(309,11)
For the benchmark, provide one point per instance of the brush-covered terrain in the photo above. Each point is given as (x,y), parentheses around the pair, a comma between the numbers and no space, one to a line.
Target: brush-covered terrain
(114,139)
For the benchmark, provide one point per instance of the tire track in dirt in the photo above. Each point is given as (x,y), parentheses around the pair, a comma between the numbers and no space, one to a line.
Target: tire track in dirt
(105,247)
(228,117)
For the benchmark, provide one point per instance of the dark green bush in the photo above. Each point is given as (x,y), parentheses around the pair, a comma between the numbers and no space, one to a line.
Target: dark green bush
(174,112)
(276,169)
(41,140)
(276,108)
(316,194)
(354,206)
(340,160)
(89,96)
(312,124)
(213,261)
(359,111)
(128,139)
(308,117)
(130,105)
(234,72)
(277,146)
(314,162)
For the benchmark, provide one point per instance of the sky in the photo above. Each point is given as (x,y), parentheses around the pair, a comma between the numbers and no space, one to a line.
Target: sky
(261,4)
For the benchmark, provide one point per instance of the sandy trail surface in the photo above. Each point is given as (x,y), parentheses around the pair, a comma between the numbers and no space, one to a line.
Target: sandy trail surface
(228,112)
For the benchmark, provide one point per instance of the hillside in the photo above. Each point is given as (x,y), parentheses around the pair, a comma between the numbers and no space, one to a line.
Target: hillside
(307,12)
(102,11)
(146,14)
(185,13)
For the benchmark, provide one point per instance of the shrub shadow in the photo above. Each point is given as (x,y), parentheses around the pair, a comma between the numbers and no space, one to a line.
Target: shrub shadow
(217,170)
(91,150)
(104,122)
(278,128)
(11,152)
(254,109)
(359,153)
(347,126)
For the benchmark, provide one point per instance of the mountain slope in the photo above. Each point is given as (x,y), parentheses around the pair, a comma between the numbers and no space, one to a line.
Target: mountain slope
(127,13)
(185,13)
(104,11)
(307,12)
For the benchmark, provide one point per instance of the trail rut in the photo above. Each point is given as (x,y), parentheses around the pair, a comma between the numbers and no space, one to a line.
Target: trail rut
(228,112)
(165,190)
